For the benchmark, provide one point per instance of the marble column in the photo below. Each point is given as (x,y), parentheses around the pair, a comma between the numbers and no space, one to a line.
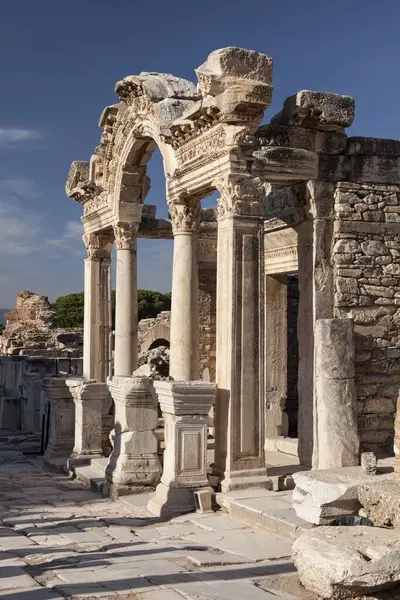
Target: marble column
(62,420)
(239,452)
(126,311)
(185,407)
(97,308)
(184,349)
(335,394)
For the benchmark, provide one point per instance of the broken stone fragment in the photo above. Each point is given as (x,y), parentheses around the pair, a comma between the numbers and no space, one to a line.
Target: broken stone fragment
(344,562)
(317,110)
(381,502)
(320,496)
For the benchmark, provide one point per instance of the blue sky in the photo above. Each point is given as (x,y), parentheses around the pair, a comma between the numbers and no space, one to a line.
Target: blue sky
(60,59)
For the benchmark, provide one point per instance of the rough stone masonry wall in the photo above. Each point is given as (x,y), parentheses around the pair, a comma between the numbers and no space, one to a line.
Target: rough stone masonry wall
(366,256)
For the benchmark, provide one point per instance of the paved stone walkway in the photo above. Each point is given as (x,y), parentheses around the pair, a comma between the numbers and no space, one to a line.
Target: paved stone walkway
(59,539)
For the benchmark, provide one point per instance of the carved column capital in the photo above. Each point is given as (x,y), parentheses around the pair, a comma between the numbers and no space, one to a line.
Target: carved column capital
(98,245)
(126,235)
(185,216)
(241,197)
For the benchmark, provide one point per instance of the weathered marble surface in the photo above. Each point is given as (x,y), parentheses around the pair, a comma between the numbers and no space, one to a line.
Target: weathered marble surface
(344,562)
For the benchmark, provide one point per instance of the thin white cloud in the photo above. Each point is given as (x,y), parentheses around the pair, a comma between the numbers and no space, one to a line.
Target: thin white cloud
(17,134)
(71,239)
(19,231)
(24,189)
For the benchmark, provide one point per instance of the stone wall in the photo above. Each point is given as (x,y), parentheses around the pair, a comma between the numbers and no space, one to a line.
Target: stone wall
(21,396)
(150,331)
(366,257)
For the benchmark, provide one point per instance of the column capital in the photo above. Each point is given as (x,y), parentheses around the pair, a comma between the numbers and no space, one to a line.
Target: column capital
(126,235)
(240,197)
(185,216)
(98,245)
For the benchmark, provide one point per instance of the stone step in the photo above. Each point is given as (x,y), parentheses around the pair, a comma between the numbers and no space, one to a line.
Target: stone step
(263,508)
(92,474)
(280,468)
(285,445)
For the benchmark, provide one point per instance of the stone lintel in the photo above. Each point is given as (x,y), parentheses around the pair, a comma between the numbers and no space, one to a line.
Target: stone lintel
(278,164)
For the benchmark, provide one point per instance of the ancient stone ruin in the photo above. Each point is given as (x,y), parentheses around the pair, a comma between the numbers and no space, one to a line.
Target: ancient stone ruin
(30,330)
(296,196)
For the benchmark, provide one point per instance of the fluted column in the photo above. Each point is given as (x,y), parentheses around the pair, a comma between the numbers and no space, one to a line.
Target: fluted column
(126,311)
(97,297)
(184,351)
(239,455)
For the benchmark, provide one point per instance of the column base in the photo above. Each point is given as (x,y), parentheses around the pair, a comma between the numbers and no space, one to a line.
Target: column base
(133,466)
(243,480)
(171,502)
(131,475)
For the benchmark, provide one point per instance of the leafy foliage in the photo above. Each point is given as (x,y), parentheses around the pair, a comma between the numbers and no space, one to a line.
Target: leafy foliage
(69,309)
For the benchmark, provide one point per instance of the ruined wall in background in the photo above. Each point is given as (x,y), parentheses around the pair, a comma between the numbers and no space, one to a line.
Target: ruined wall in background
(366,257)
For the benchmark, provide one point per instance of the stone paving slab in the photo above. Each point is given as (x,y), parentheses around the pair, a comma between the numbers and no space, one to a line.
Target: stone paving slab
(255,545)
(36,593)
(59,539)
(12,577)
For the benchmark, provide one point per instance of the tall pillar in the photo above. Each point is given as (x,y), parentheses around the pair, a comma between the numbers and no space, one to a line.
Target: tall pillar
(184,349)
(306,424)
(239,453)
(97,305)
(126,311)
(316,296)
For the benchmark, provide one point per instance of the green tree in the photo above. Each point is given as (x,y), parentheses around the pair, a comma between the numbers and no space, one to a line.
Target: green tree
(69,309)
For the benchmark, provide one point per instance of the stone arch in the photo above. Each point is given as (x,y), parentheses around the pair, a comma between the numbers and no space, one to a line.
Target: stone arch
(160,331)
(150,102)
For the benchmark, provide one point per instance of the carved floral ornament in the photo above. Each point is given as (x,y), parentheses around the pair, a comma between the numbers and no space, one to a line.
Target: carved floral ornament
(98,245)
(241,197)
(185,216)
(126,235)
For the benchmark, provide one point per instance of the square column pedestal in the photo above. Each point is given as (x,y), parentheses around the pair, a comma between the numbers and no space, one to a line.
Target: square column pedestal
(133,466)
(62,420)
(185,407)
(88,397)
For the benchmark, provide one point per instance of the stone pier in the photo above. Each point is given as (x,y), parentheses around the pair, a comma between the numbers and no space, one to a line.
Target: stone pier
(133,465)
(62,420)
(185,407)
